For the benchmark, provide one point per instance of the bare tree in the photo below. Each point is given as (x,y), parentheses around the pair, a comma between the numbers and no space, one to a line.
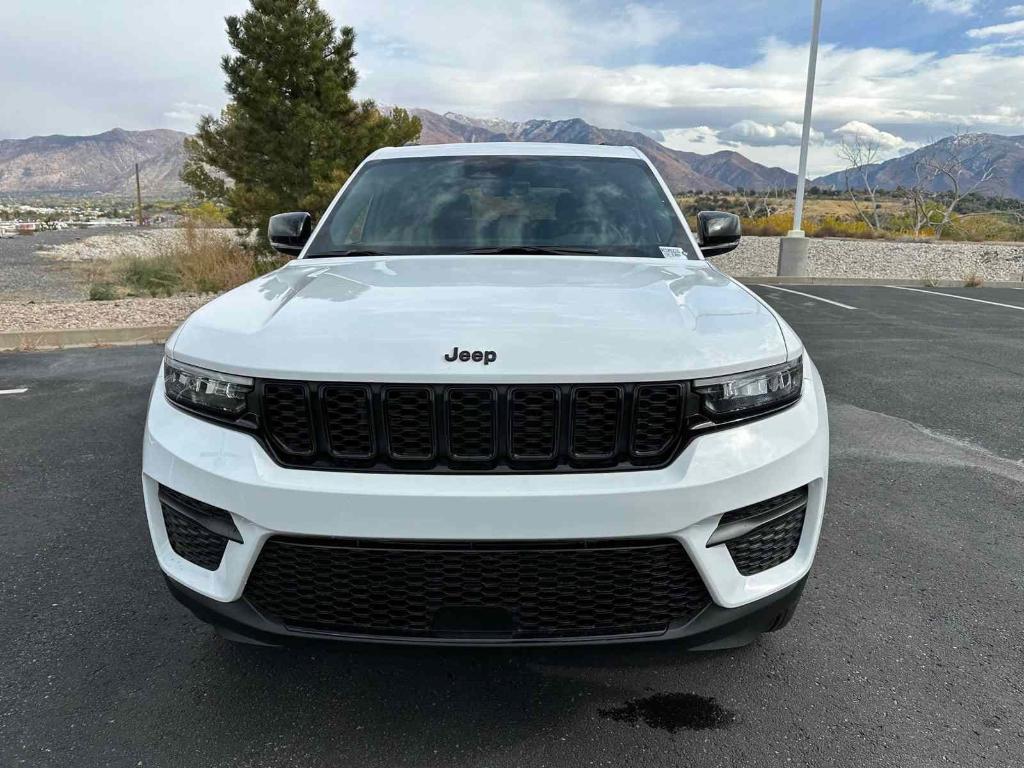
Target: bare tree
(861,155)
(919,198)
(764,203)
(955,169)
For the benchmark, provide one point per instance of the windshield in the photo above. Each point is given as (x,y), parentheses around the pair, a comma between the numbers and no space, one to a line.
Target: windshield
(432,205)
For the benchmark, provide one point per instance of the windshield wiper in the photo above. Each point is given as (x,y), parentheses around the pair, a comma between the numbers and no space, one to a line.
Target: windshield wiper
(350,252)
(532,249)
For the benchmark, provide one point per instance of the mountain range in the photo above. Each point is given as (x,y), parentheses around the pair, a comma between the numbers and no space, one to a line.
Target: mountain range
(104,164)
(979,152)
(682,171)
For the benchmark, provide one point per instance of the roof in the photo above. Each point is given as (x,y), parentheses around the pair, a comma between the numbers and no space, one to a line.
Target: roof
(506,148)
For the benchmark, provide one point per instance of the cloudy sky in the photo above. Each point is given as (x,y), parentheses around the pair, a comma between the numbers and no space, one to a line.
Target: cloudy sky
(699,75)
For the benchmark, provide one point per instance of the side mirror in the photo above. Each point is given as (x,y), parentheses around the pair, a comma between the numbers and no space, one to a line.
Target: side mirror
(718,232)
(288,232)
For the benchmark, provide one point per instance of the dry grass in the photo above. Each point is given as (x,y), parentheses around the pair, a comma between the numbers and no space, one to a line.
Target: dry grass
(201,260)
(778,224)
(973,280)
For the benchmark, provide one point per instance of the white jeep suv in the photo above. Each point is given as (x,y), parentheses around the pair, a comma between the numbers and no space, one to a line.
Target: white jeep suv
(499,397)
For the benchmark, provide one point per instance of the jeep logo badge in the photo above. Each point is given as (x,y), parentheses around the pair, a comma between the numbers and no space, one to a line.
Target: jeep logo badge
(477,356)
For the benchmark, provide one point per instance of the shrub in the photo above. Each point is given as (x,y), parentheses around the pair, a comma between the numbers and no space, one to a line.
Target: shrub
(779,224)
(211,261)
(973,280)
(156,275)
(775,225)
(832,226)
(983,227)
(194,259)
(102,292)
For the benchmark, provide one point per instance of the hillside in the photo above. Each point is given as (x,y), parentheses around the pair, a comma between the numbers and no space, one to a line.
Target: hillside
(103,164)
(1007,152)
(681,170)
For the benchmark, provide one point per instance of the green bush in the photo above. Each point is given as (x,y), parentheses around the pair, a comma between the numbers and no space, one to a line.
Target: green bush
(157,276)
(102,292)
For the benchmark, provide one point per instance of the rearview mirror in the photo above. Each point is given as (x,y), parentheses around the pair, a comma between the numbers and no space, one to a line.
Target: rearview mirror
(718,232)
(288,232)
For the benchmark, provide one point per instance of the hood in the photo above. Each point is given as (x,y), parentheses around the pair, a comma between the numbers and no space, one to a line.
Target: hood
(543,319)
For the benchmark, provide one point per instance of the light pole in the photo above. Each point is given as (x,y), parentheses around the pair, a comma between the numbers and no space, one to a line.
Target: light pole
(793,247)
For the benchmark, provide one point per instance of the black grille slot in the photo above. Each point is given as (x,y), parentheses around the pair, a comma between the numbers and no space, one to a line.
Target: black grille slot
(533,416)
(409,416)
(595,422)
(288,420)
(472,423)
(768,545)
(657,416)
(765,507)
(558,589)
(190,539)
(348,421)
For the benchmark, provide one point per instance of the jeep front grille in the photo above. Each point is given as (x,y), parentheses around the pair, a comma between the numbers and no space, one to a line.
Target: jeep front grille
(503,590)
(467,427)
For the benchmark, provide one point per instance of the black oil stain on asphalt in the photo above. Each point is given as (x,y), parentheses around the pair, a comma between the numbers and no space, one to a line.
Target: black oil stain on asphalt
(672,712)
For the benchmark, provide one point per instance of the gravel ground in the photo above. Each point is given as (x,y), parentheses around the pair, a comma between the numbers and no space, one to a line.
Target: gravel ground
(758,256)
(133,242)
(113,245)
(123,313)
(27,274)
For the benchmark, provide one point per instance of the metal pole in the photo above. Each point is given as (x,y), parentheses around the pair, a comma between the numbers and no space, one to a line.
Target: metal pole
(798,209)
(138,190)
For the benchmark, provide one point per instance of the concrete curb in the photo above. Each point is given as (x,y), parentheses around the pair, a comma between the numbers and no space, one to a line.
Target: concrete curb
(867,281)
(83,337)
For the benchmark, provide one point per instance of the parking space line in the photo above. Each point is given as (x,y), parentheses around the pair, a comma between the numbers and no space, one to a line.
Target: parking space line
(13,391)
(954,296)
(807,295)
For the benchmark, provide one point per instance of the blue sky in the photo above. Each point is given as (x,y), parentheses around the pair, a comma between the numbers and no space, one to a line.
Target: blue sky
(699,75)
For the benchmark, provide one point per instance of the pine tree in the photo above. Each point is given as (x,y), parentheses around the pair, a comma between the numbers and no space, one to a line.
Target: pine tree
(291,132)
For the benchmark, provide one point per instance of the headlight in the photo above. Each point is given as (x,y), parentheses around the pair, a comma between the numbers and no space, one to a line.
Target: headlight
(218,394)
(746,394)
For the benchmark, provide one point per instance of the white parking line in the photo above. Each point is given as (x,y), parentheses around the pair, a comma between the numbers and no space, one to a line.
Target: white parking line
(954,296)
(808,295)
(13,391)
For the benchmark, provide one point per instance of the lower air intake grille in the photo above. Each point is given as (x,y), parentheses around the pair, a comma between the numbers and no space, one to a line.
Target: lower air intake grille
(509,590)
(768,545)
(190,540)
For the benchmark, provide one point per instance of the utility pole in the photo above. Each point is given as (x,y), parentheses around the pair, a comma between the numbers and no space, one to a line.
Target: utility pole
(793,247)
(138,192)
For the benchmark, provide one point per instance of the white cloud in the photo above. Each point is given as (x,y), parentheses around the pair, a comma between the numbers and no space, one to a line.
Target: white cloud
(873,85)
(703,139)
(699,134)
(753,133)
(958,7)
(1014,11)
(1010,29)
(857,130)
(188,111)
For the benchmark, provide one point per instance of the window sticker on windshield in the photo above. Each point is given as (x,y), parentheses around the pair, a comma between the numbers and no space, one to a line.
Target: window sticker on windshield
(672,252)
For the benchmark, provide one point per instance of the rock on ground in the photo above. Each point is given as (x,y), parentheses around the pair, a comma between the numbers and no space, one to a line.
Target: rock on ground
(123,313)
(758,257)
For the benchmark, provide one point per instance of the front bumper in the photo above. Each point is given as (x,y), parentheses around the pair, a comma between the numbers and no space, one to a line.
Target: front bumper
(716,473)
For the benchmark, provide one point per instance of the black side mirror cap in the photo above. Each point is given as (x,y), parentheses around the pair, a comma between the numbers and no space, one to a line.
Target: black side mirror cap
(719,232)
(288,232)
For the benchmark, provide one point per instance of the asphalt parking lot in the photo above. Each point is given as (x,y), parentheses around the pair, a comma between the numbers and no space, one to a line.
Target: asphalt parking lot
(906,650)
